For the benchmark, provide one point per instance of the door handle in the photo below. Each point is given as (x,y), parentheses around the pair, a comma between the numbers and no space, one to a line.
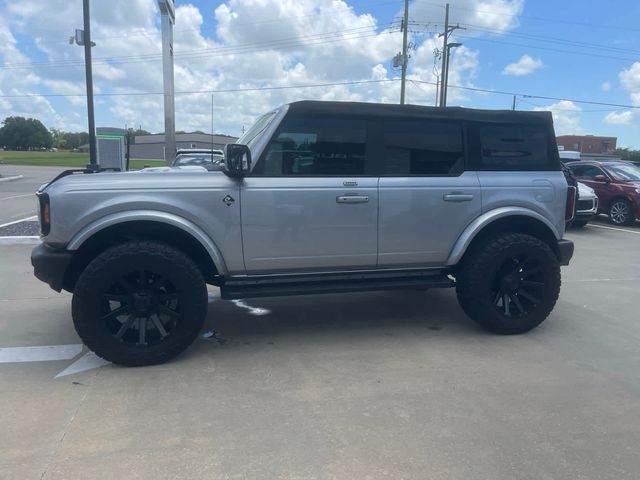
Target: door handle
(352,199)
(457,197)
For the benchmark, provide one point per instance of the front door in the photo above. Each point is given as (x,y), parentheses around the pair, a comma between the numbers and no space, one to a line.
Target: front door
(310,202)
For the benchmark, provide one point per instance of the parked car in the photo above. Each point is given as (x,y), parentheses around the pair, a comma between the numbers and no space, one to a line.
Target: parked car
(586,206)
(316,197)
(200,157)
(617,185)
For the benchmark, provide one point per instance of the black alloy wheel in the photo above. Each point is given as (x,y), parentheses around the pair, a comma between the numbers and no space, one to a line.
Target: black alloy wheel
(141,308)
(518,286)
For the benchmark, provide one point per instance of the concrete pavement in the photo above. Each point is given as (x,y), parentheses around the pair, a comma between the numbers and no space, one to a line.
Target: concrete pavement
(17,198)
(377,385)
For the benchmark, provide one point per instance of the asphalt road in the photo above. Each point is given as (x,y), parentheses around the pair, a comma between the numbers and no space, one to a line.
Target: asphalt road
(17,198)
(362,386)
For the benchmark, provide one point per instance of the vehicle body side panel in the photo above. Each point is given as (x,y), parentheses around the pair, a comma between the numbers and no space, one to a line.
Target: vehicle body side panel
(544,193)
(80,202)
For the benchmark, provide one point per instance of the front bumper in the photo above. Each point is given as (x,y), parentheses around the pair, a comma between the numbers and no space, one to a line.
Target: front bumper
(565,251)
(50,265)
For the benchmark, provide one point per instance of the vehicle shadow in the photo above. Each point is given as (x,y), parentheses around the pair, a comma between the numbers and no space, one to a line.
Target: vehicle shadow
(360,315)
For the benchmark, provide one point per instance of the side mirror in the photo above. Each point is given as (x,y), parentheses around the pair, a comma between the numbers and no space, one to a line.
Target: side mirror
(237,160)
(600,178)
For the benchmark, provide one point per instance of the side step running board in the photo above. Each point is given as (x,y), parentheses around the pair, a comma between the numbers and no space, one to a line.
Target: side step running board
(249,287)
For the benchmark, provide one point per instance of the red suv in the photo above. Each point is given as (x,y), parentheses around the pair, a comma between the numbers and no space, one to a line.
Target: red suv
(617,184)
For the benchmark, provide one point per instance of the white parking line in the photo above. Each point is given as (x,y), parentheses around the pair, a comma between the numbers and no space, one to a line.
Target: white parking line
(28,219)
(88,361)
(39,354)
(19,196)
(617,229)
(20,240)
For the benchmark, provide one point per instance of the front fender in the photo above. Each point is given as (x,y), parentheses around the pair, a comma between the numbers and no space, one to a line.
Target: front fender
(155,216)
(475,227)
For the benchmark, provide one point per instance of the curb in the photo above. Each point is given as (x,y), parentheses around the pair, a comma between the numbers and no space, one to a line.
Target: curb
(10,179)
(23,240)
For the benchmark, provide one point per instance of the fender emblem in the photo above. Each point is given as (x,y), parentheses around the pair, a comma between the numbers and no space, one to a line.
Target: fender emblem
(228,200)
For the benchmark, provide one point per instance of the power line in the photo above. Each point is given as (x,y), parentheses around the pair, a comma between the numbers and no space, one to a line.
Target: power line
(193,92)
(284,43)
(541,97)
(330,84)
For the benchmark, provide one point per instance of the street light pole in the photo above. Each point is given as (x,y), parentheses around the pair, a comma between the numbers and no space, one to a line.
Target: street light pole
(168,17)
(93,151)
(446,73)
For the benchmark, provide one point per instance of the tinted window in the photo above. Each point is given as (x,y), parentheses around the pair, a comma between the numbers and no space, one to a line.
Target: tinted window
(422,147)
(513,147)
(310,146)
(587,172)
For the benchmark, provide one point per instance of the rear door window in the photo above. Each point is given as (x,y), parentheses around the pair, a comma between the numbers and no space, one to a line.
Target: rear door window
(422,147)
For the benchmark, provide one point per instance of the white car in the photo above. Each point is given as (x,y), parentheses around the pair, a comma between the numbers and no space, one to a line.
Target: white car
(586,207)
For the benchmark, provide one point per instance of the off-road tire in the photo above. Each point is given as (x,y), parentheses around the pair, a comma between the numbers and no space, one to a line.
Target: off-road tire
(166,262)
(476,282)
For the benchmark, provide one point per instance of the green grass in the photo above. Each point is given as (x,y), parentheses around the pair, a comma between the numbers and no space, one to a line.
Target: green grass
(62,159)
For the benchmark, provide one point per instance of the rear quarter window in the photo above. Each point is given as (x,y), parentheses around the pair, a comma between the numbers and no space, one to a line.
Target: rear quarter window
(512,148)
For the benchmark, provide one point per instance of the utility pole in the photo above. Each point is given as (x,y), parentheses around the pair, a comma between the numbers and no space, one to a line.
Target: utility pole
(405,28)
(513,107)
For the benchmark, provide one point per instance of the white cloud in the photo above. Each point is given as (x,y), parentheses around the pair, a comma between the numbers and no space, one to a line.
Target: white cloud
(619,118)
(494,16)
(606,86)
(630,81)
(566,117)
(525,66)
(325,41)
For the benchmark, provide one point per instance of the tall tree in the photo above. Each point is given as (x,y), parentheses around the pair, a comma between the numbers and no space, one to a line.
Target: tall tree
(19,133)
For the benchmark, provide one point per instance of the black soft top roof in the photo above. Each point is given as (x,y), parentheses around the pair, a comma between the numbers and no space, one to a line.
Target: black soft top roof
(311,107)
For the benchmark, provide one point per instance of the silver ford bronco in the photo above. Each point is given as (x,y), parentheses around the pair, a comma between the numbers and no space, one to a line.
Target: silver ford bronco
(316,197)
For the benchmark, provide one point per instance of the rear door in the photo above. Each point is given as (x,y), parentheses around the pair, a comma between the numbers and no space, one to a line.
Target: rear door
(311,202)
(426,197)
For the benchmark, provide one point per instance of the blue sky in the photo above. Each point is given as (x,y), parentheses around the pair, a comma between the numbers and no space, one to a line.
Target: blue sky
(567,51)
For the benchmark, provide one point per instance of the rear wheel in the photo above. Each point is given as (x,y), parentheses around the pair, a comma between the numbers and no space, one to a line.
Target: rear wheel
(139,303)
(620,212)
(509,284)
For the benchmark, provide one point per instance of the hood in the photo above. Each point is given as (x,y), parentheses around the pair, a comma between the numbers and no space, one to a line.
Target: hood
(156,178)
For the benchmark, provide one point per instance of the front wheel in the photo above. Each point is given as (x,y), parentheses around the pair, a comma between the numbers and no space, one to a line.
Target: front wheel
(620,212)
(139,303)
(509,284)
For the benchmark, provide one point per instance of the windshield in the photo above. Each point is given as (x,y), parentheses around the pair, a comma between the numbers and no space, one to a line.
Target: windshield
(625,173)
(261,124)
